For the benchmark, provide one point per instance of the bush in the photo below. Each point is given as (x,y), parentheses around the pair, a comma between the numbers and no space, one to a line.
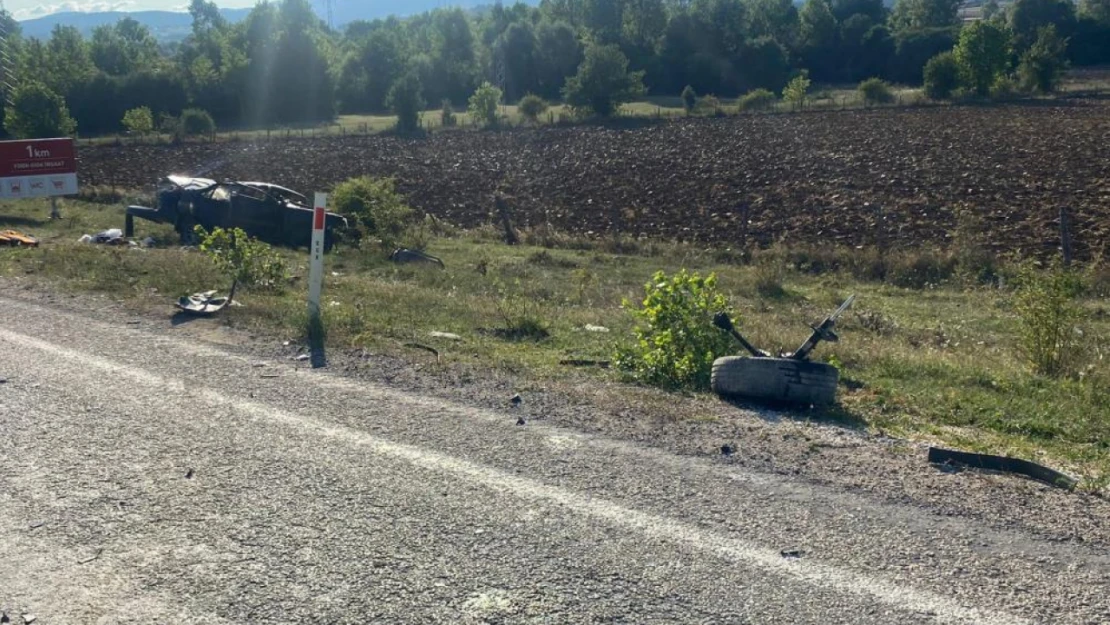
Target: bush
(1004,88)
(447,117)
(689,99)
(797,91)
(406,100)
(1045,304)
(375,208)
(483,105)
(757,100)
(196,122)
(711,105)
(247,261)
(139,120)
(983,54)
(875,91)
(37,112)
(942,76)
(676,342)
(532,106)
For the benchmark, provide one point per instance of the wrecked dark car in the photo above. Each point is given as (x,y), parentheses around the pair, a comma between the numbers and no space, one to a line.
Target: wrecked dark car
(268,212)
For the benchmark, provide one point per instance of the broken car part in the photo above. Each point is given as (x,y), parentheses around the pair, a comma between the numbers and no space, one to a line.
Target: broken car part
(790,377)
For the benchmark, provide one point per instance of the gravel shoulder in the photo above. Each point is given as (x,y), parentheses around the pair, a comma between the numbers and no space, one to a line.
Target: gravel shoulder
(885,469)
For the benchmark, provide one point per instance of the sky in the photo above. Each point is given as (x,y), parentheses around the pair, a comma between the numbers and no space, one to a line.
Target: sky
(30,9)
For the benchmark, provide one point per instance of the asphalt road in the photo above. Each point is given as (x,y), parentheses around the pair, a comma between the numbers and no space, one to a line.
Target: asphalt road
(149,479)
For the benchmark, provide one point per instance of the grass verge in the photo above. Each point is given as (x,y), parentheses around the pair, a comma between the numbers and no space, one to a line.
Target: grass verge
(934,357)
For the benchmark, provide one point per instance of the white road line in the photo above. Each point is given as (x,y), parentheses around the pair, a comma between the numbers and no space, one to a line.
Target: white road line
(817,574)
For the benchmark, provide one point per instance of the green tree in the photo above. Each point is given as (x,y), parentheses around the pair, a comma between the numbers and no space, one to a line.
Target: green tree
(1043,64)
(68,60)
(139,120)
(603,82)
(1097,10)
(797,91)
(558,55)
(484,103)
(689,99)
(37,112)
(819,38)
(515,50)
(918,14)
(942,76)
(983,54)
(124,48)
(406,100)
(1027,17)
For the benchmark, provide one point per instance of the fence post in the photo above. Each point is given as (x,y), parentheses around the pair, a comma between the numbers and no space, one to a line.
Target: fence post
(1065,236)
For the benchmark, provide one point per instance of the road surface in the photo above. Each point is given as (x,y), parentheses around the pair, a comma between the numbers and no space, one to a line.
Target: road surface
(146,478)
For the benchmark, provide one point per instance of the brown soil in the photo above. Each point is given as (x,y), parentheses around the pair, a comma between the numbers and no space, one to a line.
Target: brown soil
(884,177)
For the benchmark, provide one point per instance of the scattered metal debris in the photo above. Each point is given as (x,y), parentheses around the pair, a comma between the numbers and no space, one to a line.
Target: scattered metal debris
(16,238)
(205,304)
(405,255)
(789,377)
(592,328)
(1003,464)
(444,335)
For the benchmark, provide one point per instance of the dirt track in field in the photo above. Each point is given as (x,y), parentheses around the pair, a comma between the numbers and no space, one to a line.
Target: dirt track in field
(883,177)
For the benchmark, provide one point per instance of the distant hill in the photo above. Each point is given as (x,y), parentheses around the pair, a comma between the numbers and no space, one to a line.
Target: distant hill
(168,26)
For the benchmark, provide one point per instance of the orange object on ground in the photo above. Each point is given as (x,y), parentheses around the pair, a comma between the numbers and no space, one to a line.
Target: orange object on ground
(15,238)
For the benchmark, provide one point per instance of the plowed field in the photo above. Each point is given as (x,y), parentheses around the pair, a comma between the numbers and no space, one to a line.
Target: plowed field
(891,176)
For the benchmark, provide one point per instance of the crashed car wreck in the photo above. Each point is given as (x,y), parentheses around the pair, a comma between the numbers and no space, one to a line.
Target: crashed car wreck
(268,212)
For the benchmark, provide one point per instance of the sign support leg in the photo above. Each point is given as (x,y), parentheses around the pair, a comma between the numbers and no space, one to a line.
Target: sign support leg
(54,212)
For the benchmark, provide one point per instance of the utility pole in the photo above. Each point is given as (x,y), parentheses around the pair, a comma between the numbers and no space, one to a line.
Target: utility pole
(331,13)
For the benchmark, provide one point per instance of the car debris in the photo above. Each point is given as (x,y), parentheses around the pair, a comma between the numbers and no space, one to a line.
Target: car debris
(405,255)
(265,211)
(1003,464)
(205,304)
(113,236)
(789,377)
(16,238)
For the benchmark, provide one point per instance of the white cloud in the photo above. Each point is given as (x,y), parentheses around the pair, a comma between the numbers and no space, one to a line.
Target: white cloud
(78,6)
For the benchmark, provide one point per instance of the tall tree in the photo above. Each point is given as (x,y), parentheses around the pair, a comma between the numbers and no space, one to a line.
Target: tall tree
(558,54)
(919,14)
(603,82)
(983,54)
(123,48)
(68,60)
(1027,17)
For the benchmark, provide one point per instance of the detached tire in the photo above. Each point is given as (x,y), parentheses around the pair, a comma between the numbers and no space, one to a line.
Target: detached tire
(775,379)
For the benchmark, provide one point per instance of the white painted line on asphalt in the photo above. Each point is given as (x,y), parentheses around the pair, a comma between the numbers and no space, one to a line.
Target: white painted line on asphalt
(814,573)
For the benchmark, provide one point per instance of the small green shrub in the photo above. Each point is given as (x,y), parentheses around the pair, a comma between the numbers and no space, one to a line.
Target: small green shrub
(942,76)
(689,99)
(758,100)
(447,117)
(196,122)
(676,342)
(796,92)
(139,120)
(875,91)
(247,261)
(1045,301)
(483,105)
(1004,88)
(374,207)
(532,106)
(711,105)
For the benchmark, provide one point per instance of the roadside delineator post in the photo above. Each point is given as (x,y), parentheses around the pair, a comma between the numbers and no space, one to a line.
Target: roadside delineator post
(316,261)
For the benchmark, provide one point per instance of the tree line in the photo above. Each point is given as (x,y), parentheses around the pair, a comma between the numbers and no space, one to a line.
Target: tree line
(282,65)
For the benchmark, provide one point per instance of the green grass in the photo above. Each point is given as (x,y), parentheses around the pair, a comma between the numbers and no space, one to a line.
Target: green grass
(939,363)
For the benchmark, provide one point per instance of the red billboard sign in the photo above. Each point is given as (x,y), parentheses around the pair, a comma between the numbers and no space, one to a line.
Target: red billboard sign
(38,168)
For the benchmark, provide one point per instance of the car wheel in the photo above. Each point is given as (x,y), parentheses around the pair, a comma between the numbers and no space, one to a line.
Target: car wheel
(775,379)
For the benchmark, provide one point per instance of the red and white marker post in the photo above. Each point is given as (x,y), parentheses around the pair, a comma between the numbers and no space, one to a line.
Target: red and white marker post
(316,262)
